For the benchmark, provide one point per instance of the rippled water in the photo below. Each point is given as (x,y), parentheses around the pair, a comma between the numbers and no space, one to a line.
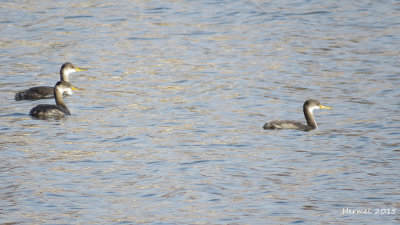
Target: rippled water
(169,127)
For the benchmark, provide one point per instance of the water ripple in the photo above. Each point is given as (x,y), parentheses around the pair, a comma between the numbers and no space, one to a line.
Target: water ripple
(169,127)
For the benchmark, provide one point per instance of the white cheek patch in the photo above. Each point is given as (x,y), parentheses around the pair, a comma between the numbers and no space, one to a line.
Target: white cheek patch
(68,92)
(68,71)
(311,109)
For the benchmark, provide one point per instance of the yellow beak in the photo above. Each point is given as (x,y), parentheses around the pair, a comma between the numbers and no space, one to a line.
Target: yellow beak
(76,89)
(325,107)
(80,69)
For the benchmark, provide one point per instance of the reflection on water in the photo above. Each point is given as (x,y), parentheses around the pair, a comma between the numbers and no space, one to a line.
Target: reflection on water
(168,128)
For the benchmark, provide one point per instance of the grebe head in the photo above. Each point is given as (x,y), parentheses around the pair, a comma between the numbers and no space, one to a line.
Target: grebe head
(63,86)
(68,68)
(312,104)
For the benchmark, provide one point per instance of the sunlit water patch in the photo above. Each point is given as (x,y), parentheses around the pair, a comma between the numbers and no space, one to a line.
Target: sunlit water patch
(168,128)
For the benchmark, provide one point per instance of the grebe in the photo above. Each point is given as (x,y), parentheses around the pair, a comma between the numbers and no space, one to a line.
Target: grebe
(308,108)
(58,111)
(41,92)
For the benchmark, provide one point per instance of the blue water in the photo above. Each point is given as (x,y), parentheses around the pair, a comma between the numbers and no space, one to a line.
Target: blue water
(168,128)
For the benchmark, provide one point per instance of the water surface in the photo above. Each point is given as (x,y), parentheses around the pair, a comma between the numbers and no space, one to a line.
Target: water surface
(169,127)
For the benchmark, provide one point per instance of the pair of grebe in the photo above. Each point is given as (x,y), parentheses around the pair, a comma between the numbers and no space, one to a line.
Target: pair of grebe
(60,110)
(62,87)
